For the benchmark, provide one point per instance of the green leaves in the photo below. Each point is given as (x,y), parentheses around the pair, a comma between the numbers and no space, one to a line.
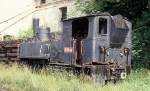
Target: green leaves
(141,41)
(25,34)
(8,38)
(128,8)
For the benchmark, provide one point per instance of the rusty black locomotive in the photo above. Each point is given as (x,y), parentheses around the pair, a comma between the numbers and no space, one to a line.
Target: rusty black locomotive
(97,45)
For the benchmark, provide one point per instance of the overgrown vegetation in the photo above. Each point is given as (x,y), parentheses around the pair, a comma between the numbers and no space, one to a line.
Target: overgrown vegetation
(138,12)
(13,78)
(8,37)
(26,34)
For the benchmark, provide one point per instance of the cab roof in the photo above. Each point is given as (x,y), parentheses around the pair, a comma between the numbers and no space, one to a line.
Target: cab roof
(90,15)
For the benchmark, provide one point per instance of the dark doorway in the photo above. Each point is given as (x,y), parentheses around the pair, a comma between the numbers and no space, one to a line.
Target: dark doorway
(80,29)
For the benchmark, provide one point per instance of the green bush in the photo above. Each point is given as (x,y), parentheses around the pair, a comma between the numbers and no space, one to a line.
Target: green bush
(8,37)
(25,34)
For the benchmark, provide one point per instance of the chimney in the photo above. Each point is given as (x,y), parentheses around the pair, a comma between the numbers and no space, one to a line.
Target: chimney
(35,27)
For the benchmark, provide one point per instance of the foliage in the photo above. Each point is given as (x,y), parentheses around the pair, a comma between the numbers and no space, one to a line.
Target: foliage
(128,8)
(14,78)
(25,34)
(141,43)
(8,37)
(90,7)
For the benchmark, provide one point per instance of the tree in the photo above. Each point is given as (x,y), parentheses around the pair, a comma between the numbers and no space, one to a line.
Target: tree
(141,41)
(128,8)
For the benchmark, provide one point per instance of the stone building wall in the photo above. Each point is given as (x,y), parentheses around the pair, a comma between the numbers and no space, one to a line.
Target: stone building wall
(50,13)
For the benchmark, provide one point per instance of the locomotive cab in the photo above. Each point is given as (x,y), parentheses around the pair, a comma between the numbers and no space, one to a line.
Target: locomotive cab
(101,42)
(85,39)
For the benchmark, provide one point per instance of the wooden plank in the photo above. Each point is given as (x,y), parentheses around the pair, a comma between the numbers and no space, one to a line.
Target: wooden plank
(3,59)
(12,54)
(14,49)
(2,55)
(14,59)
(12,45)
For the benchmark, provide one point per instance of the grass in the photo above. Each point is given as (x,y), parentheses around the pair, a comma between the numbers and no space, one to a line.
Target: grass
(14,78)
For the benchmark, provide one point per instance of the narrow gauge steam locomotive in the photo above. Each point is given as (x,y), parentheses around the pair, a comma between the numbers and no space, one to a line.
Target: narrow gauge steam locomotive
(97,45)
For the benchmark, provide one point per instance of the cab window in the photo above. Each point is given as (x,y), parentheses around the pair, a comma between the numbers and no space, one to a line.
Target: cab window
(102,26)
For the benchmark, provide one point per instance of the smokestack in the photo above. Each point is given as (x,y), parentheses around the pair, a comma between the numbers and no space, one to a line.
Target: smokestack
(35,27)
(40,33)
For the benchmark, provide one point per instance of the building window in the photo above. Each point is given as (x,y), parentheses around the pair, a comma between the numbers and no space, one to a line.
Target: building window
(43,1)
(102,26)
(63,12)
